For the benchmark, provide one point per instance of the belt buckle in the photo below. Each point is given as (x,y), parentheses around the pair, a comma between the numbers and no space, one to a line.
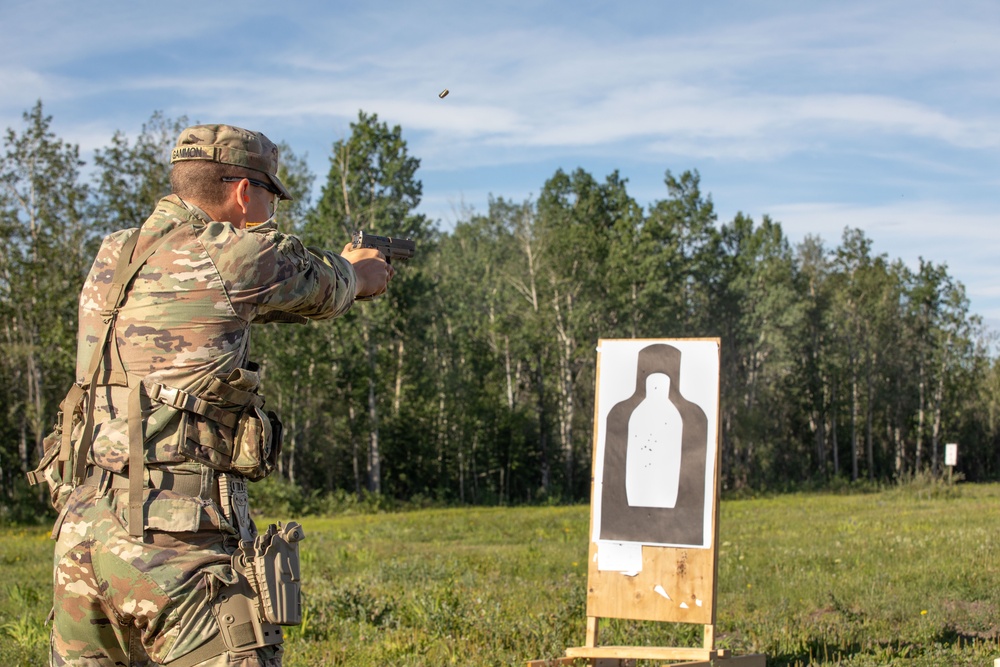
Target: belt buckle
(169,396)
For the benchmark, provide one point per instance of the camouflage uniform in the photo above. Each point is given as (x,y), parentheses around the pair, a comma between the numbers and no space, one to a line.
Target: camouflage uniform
(125,599)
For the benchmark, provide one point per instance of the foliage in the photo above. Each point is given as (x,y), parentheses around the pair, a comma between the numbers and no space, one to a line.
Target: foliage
(25,597)
(46,245)
(131,176)
(472,380)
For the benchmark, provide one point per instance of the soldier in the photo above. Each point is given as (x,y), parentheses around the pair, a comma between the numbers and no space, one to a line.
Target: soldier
(155,545)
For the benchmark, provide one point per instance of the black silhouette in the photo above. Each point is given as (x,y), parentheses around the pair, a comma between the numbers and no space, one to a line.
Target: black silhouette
(684,523)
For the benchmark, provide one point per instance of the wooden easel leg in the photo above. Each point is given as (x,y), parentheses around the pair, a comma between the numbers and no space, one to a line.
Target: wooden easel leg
(709,638)
(593,624)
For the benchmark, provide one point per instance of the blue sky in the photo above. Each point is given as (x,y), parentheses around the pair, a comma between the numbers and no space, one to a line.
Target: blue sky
(882,115)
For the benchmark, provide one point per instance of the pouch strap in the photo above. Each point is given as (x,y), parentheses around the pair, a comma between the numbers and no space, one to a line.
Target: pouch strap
(182,400)
(230,393)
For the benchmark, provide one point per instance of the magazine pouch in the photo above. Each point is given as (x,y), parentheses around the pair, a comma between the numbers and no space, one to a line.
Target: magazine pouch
(226,426)
(257,443)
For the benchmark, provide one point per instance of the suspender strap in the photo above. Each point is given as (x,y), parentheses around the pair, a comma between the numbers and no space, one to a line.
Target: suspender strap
(125,271)
(136,462)
(69,407)
(76,392)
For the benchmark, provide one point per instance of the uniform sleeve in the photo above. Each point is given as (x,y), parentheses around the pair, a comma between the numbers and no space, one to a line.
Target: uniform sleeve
(268,272)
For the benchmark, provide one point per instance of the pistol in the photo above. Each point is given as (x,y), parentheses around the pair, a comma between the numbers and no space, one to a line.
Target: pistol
(389,247)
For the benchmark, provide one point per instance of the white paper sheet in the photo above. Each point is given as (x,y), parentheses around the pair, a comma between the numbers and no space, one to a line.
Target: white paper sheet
(624,557)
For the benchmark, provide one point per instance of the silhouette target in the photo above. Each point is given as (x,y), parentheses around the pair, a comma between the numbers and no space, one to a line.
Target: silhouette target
(684,523)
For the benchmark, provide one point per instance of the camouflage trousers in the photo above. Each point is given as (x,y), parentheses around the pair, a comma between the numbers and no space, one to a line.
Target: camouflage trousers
(138,601)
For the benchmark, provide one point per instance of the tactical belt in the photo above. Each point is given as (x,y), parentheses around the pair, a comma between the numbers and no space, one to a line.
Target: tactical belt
(186,483)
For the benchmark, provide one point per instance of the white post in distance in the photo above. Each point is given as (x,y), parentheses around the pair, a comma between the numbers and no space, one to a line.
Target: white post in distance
(950,458)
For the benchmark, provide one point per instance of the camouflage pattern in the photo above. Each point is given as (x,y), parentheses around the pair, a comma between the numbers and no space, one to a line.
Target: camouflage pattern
(133,601)
(230,145)
(186,320)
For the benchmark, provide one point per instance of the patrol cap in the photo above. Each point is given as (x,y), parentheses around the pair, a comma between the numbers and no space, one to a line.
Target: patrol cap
(227,144)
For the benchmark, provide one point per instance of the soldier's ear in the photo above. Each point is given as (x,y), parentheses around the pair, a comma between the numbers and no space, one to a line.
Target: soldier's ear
(242,194)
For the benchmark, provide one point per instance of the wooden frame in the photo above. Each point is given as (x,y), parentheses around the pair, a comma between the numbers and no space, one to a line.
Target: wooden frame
(674,584)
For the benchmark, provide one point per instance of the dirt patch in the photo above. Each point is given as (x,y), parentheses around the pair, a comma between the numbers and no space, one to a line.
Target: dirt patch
(973,620)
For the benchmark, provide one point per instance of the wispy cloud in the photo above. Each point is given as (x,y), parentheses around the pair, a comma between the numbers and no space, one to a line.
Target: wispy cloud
(708,92)
(928,220)
(940,232)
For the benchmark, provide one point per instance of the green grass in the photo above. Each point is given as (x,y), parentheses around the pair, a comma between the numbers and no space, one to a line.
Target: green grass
(906,576)
(25,595)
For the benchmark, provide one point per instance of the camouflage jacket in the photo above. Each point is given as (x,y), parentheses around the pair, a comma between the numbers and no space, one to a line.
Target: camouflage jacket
(187,315)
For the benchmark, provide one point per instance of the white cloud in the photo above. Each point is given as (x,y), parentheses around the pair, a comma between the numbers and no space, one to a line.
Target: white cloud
(710,92)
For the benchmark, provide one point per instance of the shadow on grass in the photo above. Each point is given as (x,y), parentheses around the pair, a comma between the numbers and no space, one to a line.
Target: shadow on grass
(821,652)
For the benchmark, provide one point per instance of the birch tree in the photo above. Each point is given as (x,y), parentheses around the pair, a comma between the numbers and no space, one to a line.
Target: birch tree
(48,242)
(371,186)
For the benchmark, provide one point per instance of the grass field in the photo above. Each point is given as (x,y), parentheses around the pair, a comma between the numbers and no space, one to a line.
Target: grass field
(907,576)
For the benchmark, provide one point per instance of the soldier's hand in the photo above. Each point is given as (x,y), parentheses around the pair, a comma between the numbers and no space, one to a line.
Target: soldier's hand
(374,273)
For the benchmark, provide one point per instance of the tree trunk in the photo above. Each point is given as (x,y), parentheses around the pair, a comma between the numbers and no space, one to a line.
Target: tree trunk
(397,395)
(543,444)
(566,392)
(834,445)
(374,462)
(854,423)
(938,401)
(936,425)
(818,423)
(355,449)
(869,410)
(921,416)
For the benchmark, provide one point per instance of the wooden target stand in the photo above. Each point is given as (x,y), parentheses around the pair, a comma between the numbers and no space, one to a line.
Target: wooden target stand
(674,585)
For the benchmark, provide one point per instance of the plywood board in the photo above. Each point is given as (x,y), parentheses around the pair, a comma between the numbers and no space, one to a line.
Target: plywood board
(654,510)
(676,585)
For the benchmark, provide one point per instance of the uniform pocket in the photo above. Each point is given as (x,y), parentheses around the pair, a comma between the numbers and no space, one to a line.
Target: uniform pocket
(171,512)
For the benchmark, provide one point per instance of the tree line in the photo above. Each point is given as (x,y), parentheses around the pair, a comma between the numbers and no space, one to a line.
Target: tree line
(473,380)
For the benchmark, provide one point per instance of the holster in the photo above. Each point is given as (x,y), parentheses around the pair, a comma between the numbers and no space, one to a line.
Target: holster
(274,558)
(267,593)
(236,610)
